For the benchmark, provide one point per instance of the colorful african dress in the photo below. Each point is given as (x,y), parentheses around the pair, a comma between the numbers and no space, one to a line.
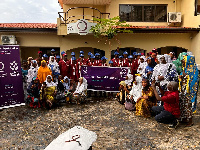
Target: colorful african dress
(143,106)
(188,87)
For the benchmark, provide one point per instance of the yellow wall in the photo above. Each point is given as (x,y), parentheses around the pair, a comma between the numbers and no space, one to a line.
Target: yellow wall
(113,9)
(195,47)
(187,10)
(145,41)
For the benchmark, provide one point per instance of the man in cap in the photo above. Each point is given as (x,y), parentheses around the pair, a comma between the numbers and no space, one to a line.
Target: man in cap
(72,55)
(81,58)
(80,62)
(103,61)
(62,54)
(53,52)
(97,59)
(92,61)
(121,62)
(88,59)
(110,63)
(115,59)
(64,66)
(45,57)
(132,65)
(73,69)
(39,59)
(125,54)
(58,58)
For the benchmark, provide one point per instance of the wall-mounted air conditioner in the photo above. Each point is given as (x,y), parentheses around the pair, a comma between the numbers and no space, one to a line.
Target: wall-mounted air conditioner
(8,39)
(174,17)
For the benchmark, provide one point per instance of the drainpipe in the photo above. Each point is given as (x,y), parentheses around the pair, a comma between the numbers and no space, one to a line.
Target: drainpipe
(175,5)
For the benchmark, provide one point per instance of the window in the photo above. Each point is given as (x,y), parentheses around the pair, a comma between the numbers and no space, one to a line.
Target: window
(143,13)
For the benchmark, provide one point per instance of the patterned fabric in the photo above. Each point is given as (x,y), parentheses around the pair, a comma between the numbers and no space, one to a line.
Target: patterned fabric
(143,106)
(192,71)
(178,64)
(185,102)
(49,92)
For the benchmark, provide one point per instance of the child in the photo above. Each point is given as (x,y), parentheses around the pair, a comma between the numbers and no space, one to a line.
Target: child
(33,93)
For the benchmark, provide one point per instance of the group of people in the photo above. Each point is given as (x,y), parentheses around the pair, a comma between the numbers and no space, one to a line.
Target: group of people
(162,86)
(156,85)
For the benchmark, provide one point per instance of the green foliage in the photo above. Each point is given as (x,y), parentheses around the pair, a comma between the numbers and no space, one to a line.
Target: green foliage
(109,27)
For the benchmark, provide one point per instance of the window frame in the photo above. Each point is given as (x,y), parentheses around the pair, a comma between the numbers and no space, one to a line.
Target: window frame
(143,5)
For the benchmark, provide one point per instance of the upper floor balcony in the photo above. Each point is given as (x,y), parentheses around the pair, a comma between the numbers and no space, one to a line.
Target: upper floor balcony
(74,14)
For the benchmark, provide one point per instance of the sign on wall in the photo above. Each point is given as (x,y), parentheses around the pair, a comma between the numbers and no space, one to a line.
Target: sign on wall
(104,78)
(11,86)
(81,27)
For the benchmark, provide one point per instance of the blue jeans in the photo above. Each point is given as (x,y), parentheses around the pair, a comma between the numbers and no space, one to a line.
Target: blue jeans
(163,116)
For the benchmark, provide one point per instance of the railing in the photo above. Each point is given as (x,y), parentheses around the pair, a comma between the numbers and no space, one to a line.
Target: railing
(66,19)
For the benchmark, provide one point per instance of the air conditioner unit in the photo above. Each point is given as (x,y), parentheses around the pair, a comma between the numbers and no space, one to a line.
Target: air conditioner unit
(174,17)
(8,39)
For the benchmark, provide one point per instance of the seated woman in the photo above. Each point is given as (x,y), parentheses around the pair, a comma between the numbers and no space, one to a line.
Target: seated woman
(134,94)
(33,93)
(49,91)
(170,112)
(146,101)
(81,90)
(121,96)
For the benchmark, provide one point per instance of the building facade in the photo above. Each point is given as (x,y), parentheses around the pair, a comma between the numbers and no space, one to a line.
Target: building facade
(167,25)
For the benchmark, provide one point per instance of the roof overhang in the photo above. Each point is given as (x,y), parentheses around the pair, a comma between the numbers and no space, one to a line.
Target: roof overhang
(25,30)
(88,2)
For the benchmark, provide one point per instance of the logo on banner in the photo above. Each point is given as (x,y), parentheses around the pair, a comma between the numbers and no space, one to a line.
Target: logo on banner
(81,27)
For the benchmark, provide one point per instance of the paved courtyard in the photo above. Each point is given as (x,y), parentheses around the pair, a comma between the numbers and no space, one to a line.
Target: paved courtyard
(116,128)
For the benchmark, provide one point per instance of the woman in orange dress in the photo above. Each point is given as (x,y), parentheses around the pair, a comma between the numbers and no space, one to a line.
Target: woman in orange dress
(146,101)
(43,71)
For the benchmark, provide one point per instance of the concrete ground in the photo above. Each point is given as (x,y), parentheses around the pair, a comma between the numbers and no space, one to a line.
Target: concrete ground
(116,128)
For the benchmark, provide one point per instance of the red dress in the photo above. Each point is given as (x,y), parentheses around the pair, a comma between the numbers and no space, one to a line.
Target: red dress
(64,68)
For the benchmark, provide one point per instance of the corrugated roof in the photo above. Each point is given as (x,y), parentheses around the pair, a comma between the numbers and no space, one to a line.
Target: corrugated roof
(28,25)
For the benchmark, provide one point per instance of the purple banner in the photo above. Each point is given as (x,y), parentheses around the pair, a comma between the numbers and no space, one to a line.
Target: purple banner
(11,86)
(104,78)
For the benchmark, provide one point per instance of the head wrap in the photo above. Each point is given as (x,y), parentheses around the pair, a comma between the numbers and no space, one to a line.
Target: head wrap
(51,83)
(122,83)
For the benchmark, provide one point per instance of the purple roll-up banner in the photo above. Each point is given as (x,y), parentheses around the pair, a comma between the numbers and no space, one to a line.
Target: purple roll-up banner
(11,85)
(104,78)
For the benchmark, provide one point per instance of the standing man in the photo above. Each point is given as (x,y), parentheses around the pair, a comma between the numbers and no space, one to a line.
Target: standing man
(39,59)
(72,55)
(53,52)
(73,67)
(64,66)
(58,58)
(115,59)
(121,62)
(81,58)
(88,59)
(125,57)
(97,59)
(92,61)
(62,54)
(45,57)
(103,61)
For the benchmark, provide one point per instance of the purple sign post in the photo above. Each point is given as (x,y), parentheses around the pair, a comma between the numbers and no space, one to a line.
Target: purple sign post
(11,86)
(104,78)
